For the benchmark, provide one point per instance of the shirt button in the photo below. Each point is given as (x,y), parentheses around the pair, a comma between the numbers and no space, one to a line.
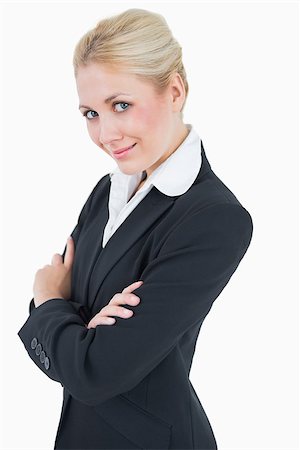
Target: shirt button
(38,349)
(33,343)
(42,356)
(47,363)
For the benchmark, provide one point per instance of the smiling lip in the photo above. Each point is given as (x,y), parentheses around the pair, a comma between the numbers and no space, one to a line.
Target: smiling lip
(122,149)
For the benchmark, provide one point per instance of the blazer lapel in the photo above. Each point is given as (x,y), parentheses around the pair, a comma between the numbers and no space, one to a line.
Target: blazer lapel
(148,212)
(144,215)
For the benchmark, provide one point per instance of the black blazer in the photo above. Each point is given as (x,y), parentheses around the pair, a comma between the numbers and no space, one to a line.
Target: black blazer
(126,386)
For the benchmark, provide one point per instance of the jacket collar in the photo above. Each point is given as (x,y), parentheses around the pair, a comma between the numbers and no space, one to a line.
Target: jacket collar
(174,176)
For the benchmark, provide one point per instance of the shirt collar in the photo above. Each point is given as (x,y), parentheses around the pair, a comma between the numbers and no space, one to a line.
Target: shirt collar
(176,174)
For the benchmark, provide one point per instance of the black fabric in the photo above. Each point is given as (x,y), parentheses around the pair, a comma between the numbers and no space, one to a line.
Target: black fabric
(127,385)
(82,310)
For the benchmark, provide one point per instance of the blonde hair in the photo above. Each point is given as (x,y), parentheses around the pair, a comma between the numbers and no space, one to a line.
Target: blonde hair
(138,41)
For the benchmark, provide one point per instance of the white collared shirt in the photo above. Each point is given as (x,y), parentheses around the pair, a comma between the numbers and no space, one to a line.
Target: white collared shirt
(172,177)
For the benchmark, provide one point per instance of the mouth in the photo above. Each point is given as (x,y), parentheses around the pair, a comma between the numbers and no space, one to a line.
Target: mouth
(117,152)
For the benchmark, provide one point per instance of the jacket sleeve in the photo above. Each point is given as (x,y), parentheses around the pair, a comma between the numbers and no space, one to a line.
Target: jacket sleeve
(195,262)
(78,307)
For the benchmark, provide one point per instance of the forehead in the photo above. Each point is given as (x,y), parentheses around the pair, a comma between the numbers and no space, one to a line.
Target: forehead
(106,81)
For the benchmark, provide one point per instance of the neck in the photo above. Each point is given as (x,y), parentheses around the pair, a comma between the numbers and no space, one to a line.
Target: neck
(182,132)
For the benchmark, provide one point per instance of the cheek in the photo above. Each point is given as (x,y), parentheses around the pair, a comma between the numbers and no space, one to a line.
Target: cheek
(93,133)
(147,119)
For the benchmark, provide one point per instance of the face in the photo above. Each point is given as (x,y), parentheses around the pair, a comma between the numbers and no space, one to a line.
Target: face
(122,111)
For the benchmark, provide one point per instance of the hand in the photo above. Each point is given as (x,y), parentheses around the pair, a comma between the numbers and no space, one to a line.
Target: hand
(123,298)
(54,281)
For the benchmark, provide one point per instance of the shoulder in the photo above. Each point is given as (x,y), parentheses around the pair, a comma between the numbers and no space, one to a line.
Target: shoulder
(100,189)
(209,196)
(210,232)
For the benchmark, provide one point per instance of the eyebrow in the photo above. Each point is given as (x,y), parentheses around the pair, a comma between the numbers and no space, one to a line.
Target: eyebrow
(107,100)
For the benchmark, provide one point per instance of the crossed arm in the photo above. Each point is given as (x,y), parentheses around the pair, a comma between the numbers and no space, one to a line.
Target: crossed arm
(179,287)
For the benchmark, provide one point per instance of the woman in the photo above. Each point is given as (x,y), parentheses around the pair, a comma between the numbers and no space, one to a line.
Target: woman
(116,317)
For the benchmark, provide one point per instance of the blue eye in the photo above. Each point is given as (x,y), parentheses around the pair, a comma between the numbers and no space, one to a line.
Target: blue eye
(89,111)
(121,103)
(124,106)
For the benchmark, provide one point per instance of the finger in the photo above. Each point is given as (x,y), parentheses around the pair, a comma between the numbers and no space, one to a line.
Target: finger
(56,259)
(133,286)
(70,251)
(116,310)
(99,317)
(124,299)
(100,321)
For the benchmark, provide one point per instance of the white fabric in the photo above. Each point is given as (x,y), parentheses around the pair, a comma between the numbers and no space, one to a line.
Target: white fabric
(172,177)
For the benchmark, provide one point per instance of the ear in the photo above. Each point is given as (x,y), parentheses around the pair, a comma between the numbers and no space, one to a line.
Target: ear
(177,91)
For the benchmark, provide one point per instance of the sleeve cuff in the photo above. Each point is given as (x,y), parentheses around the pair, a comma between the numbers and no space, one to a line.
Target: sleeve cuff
(81,309)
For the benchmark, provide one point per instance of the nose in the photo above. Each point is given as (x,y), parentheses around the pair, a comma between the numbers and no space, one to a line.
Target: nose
(108,132)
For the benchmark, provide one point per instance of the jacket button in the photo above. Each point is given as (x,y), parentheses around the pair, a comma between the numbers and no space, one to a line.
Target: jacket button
(47,363)
(42,356)
(33,343)
(38,349)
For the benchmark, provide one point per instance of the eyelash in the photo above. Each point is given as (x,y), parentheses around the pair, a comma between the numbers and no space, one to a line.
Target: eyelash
(114,104)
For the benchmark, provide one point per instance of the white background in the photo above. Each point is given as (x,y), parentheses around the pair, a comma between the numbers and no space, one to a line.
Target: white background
(242,67)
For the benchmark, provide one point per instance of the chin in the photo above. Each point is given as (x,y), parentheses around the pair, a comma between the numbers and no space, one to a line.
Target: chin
(128,171)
